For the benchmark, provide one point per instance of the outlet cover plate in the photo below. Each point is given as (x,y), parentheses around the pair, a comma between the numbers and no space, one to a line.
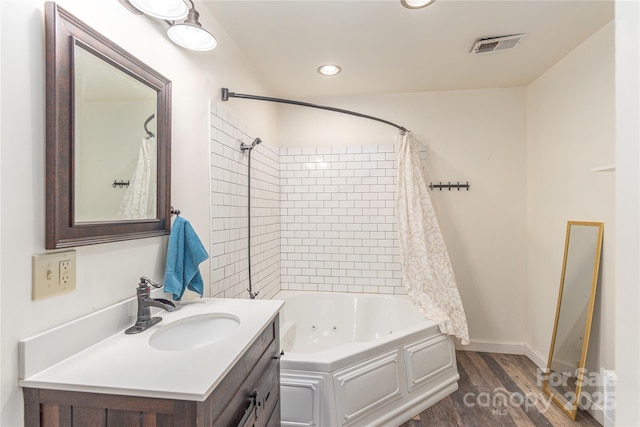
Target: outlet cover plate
(52,274)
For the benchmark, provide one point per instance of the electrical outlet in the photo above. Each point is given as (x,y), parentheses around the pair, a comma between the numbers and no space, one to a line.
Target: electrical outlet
(65,272)
(53,273)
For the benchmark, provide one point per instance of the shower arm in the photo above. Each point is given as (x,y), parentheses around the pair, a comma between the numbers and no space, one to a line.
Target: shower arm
(225,95)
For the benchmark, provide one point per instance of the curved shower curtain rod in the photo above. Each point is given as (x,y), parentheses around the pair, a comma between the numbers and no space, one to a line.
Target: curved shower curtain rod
(225,95)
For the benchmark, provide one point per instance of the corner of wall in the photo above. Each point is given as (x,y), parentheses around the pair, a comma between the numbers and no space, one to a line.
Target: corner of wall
(626,320)
(228,210)
(570,131)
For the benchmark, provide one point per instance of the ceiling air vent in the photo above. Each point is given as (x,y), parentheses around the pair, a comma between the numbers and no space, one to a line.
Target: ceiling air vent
(495,44)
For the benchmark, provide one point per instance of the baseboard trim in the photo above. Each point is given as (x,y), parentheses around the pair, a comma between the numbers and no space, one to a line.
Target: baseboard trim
(493,347)
(596,411)
(539,360)
(608,422)
(506,348)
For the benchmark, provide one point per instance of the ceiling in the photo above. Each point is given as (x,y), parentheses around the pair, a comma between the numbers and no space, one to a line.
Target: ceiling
(383,47)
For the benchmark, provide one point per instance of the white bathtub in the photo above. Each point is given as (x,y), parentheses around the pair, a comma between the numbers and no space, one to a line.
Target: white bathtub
(360,360)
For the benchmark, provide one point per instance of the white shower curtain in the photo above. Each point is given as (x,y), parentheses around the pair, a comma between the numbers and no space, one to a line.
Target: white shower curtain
(427,271)
(139,200)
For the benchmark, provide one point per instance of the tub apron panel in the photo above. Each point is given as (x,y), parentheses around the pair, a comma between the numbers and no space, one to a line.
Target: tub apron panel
(363,374)
(428,359)
(366,386)
(304,394)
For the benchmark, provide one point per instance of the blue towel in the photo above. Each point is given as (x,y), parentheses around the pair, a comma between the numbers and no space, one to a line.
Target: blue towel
(184,253)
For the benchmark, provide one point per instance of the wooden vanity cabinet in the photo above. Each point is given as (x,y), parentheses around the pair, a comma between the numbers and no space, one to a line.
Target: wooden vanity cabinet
(248,396)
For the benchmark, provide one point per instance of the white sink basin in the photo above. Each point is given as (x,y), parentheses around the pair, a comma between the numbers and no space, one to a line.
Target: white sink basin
(194,332)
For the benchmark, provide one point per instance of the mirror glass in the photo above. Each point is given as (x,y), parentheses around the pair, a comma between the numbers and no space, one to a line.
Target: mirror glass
(108,145)
(115,166)
(570,340)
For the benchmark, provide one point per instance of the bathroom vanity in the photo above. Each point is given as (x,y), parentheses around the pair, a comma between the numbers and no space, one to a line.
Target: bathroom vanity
(142,381)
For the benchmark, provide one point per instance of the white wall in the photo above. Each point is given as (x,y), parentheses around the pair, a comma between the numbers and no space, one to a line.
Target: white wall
(571,130)
(476,136)
(107,273)
(1,133)
(627,298)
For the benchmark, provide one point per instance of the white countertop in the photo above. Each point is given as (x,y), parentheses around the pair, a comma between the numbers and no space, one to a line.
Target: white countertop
(128,365)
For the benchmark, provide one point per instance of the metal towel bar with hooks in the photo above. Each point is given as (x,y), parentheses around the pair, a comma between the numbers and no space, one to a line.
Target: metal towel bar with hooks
(449,186)
(120,184)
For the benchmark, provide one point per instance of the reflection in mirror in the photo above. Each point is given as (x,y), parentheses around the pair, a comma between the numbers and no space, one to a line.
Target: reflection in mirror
(570,340)
(108,155)
(104,153)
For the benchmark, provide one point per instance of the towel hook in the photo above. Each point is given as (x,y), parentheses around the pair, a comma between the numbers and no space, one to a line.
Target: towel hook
(175,212)
(120,184)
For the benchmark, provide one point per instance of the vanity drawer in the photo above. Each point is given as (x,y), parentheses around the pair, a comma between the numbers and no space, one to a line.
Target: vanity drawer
(56,408)
(275,418)
(254,376)
(269,393)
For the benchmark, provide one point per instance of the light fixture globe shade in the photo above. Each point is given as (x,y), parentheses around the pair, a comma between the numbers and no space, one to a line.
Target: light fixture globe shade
(191,36)
(170,10)
(416,4)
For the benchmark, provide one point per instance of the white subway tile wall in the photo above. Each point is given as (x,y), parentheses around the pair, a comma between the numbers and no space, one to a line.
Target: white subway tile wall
(229,266)
(338,222)
(323,218)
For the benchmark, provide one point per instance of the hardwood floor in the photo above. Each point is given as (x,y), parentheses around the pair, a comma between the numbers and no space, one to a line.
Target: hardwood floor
(496,390)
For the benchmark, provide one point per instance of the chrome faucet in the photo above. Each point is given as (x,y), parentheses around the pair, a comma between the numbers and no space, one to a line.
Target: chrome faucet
(144,320)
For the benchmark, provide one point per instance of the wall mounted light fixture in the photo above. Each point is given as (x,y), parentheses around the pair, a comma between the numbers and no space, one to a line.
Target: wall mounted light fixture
(416,4)
(162,9)
(188,34)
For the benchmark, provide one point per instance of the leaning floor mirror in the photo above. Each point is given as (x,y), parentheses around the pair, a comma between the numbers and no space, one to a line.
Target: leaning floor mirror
(570,340)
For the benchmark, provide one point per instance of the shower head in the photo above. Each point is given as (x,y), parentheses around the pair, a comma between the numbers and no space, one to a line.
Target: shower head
(245,147)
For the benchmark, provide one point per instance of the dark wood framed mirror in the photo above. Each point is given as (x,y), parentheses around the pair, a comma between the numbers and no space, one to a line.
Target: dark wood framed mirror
(108,139)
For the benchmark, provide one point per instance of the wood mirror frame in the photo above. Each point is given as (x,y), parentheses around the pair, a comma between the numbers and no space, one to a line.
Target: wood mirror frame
(64,32)
(563,378)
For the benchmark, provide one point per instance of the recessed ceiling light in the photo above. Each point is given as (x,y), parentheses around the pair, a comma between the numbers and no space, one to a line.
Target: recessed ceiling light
(416,4)
(329,70)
